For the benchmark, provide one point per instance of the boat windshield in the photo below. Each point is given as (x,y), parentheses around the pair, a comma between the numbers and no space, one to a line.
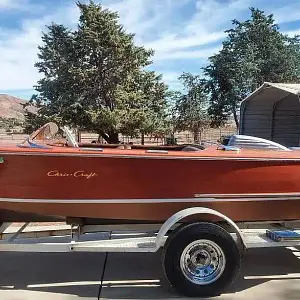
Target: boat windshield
(47,135)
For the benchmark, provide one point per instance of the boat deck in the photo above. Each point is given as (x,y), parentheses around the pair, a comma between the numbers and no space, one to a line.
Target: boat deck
(209,152)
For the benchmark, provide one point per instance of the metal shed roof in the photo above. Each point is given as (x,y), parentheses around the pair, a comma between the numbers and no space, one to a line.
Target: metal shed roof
(293,88)
(289,87)
(272,112)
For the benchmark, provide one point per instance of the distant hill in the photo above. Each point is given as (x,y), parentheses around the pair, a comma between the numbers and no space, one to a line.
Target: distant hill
(12,112)
(13,107)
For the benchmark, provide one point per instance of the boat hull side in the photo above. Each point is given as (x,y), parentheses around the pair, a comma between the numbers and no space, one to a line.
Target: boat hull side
(118,188)
(159,212)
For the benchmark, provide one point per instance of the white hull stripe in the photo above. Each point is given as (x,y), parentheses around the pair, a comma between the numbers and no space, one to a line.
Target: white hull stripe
(249,195)
(212,158)
(143,201)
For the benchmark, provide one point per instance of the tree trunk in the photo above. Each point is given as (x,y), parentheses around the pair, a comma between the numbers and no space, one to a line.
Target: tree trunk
(196,137)
(78,135)
(143,139)
(110,138)
(113,138)
(236,119)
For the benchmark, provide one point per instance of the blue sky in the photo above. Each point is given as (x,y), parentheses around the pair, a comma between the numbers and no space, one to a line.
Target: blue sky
(182,32)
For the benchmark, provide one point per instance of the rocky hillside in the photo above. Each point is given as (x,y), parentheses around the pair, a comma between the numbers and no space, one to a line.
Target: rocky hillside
(12,107)
(12,112)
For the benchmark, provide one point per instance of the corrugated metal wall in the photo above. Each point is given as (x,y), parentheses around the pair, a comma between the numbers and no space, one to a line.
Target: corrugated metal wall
(286,126)
(257,113)
(272,114)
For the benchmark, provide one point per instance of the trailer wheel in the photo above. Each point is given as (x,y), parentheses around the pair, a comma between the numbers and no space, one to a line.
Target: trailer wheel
(201,260)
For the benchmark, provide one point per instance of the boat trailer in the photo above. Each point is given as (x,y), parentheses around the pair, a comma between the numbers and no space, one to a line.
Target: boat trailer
(199,259)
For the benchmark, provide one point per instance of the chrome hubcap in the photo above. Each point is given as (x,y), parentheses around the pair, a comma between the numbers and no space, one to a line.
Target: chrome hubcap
(202,262)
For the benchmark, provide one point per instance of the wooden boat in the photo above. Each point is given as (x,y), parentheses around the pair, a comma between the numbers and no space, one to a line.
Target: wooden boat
(50,178)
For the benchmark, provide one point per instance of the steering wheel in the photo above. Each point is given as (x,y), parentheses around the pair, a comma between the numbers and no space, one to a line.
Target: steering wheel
(70,137)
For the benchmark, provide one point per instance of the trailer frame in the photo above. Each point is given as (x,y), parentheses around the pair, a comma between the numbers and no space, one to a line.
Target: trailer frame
(247,235)
(236,237)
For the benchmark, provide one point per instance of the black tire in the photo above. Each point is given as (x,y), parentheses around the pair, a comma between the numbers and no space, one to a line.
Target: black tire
(185,235)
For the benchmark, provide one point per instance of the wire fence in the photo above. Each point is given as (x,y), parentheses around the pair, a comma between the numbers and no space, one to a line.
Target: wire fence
(186,137)
(208,135)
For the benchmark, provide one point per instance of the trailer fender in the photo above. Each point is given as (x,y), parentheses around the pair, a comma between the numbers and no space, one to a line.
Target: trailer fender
(194,211)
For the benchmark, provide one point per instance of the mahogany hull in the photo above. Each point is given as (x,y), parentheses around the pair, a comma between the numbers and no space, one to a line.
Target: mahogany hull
(154,213)
(139,187)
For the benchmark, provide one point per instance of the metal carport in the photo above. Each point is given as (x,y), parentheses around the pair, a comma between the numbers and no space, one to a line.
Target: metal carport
(272,112)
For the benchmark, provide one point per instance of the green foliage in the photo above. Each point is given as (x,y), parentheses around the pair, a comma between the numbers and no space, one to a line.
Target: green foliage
(9,123)
(190,107)
(94,78)
(33,121)
(253,52)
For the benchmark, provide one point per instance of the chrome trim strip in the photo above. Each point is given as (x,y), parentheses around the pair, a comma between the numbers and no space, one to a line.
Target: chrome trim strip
(142,201)
(214,158)
(250,195)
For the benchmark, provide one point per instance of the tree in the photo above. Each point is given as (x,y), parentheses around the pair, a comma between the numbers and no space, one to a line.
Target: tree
(34,121)
(94,78)
(253,52)
(190,109)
